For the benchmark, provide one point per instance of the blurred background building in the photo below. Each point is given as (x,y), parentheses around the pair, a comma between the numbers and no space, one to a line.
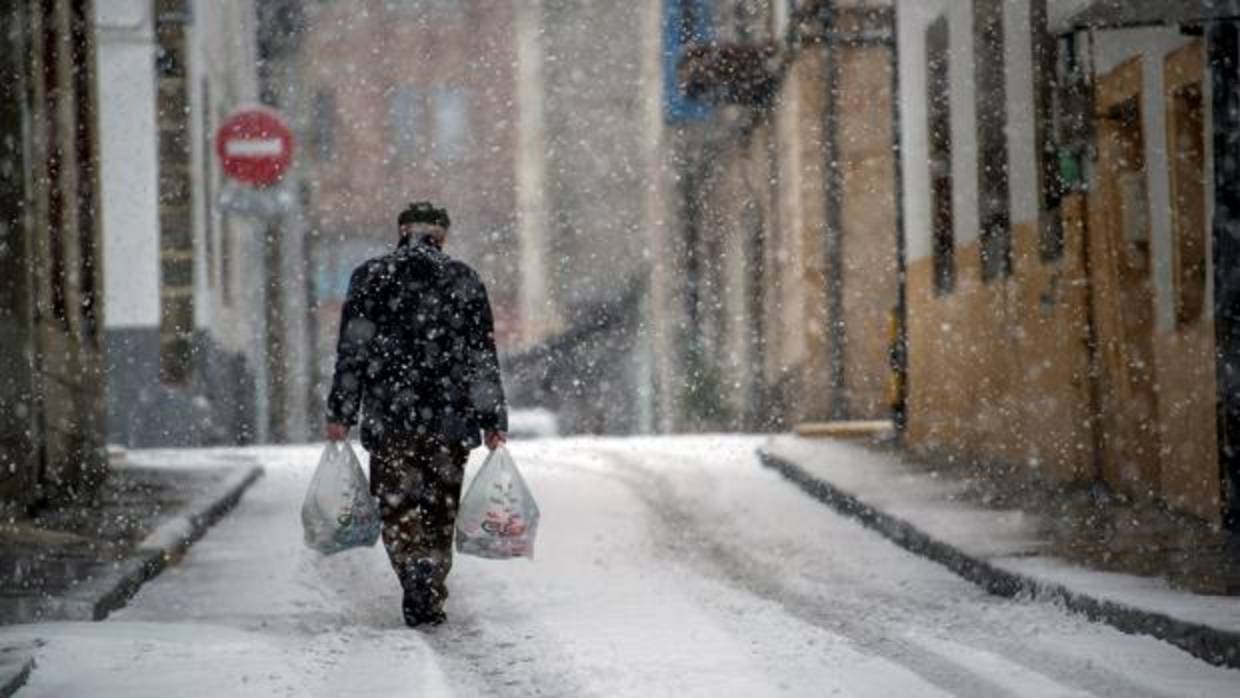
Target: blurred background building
(786,190)
(410,101)
(591,175)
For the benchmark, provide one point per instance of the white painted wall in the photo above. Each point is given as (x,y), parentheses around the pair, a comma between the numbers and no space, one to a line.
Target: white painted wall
(914,18)
(1058,12)
(1021,112)
(129,163)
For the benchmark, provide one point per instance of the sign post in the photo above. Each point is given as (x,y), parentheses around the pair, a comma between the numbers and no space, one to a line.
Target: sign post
(255,148)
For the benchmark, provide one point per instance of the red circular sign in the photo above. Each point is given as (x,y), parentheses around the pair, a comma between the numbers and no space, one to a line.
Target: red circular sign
(254,146)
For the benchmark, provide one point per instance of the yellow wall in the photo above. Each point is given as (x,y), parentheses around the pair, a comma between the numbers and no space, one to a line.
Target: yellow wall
(797,339)
(1187,421)
(999,370)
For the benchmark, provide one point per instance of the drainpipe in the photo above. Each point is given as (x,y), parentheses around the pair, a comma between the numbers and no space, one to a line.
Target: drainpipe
(899,410)
(834,248)
(1052,187)
(1074,71)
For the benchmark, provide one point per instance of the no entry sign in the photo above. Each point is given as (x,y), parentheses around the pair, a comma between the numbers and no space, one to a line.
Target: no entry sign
(255,146)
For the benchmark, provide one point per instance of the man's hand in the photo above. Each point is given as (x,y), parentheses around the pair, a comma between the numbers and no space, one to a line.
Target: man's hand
(495,439)
(337,432)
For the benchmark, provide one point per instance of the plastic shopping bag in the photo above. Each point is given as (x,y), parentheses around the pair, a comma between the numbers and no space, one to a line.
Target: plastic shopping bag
(498,517)
(339,512)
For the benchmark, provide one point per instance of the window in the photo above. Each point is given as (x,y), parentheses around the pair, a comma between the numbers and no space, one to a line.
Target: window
(990,100)
(1187,146)
(1051,186)
(1132,214)
(451,140)
(686,23)
(83,145)
(323,125)
(405,115)
(938,110)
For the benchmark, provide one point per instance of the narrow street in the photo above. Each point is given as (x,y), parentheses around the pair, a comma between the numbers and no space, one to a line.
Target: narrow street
(675,566)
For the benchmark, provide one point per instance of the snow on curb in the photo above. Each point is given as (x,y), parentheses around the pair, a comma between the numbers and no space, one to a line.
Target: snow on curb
(1215,645)
(163,546)
(16,663)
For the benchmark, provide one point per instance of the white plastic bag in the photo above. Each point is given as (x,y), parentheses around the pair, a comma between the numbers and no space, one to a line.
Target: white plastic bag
(498,517)
(339,512)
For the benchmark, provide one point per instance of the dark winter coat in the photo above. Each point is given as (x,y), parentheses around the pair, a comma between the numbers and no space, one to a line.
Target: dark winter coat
(416,357)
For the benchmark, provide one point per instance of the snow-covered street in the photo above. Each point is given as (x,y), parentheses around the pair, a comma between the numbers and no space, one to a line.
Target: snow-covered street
(674,566)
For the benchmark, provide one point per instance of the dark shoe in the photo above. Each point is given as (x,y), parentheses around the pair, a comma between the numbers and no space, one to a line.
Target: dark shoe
(425,593)
(425,579)
(435,617)
(419,611)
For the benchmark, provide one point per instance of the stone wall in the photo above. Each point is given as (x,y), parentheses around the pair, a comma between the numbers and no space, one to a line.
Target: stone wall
(51,309)
(21,426)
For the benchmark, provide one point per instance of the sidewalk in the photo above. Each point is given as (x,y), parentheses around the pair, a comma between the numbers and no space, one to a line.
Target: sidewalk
(82,562)
(1059,553)
(16,663)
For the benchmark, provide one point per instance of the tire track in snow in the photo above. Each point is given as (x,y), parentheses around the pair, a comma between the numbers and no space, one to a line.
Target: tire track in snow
(688,541)
(502,652)
(499,665)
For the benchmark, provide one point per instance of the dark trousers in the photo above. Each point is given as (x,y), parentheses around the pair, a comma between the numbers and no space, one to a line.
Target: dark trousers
(419,489)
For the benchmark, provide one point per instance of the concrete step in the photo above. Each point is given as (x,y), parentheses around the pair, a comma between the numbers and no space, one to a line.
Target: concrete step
(854,429)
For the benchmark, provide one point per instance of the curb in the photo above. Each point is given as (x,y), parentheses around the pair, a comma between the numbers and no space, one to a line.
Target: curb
(1213,645)
(14,680)
(165,545)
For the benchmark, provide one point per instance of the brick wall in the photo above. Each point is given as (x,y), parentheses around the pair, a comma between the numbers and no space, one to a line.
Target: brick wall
(176,186)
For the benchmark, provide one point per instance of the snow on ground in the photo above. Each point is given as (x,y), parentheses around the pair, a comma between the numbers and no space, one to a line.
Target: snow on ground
(673,566)
(1008,539)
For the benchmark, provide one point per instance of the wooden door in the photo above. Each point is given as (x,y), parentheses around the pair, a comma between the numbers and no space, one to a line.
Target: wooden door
(1121,279)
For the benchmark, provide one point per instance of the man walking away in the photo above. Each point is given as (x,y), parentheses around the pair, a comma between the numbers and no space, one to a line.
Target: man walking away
(416,364)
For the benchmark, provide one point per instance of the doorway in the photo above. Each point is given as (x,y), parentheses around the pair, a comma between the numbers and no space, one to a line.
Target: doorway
(1121,279)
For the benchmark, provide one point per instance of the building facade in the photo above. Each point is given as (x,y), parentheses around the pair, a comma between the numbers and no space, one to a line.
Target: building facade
(408,101)
(596,272)
(1065,206)
(1001,224)
(51,297)
(193,282)
(787,191)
